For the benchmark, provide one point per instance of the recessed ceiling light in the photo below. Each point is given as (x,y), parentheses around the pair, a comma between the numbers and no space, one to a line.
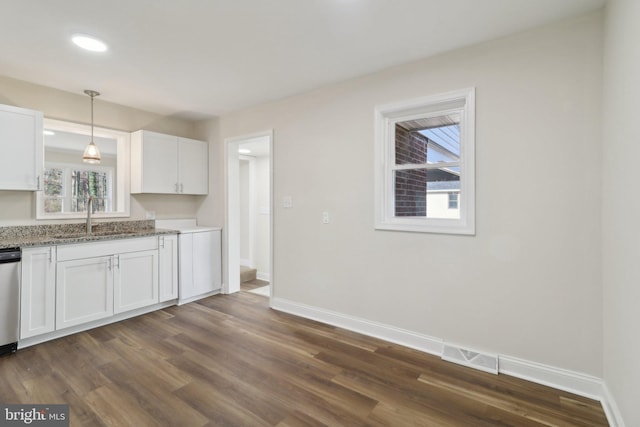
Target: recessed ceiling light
(48,132)
(244,151)
(89,43)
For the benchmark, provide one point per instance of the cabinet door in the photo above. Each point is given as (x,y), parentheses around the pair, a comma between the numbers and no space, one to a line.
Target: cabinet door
(135,280)
(20,135)
(38,291)
(206,261)
(193,166)
(168,267)
(84,291)
(157,166)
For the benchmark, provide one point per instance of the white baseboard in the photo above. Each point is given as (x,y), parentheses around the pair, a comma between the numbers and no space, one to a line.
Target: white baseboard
(611,408)
(561,379)
(378,330)
(263,276)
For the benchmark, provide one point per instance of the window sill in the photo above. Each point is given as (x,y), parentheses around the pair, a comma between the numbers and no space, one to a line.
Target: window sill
(433,226)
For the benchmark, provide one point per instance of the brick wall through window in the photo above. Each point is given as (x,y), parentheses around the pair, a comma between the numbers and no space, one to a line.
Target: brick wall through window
(410,185)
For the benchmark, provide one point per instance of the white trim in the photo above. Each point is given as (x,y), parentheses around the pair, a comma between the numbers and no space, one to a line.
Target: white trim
(562,379)
(611,410)
(367,327)
(385,117)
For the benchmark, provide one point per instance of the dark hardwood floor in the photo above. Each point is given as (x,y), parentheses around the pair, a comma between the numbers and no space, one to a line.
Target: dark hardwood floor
(229,360)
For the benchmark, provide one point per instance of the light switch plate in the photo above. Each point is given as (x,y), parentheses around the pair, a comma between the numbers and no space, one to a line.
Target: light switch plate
(287,202)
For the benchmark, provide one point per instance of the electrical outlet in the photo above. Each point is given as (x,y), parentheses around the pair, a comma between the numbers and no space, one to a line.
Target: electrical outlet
(151,214)
(287,202)
(325,217)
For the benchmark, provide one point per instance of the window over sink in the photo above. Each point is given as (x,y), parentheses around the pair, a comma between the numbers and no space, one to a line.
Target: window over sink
(68,182)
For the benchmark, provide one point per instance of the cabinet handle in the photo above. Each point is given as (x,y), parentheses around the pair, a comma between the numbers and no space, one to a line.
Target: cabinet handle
(161,241)
(109,263)
(177,188)
(117,258)
(50,254)
(181,188)
(38,183)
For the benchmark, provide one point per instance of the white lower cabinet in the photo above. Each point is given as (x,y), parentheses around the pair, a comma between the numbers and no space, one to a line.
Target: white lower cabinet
(38,291)
(69,285)
(168,267)
(99,279)
(135,280)
(84,291)
(200,264)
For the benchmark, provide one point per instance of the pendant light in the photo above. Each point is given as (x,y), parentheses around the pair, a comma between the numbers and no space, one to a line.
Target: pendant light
(91,153)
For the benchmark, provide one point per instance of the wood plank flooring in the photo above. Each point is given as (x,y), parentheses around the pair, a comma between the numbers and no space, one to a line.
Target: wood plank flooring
(229,360)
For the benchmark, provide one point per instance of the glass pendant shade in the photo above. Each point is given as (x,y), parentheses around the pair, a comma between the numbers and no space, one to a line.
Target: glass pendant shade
(91,153)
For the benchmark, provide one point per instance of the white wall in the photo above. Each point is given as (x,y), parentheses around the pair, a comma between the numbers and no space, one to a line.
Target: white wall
(621,207)
(528,284)
(245,214)
(18,207)
(262,215)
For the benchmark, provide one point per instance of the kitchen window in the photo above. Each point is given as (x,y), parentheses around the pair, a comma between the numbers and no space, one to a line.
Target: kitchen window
(67,188)
(424,154)
(68,181)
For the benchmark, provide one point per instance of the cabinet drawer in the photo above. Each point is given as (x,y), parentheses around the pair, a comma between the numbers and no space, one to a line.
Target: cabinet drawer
(107,247)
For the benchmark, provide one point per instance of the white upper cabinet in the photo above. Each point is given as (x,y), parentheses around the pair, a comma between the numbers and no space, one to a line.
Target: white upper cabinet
(193,166)
(21,141)
(166,164)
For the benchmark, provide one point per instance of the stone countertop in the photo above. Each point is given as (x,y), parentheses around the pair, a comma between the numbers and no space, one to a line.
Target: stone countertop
(64,234)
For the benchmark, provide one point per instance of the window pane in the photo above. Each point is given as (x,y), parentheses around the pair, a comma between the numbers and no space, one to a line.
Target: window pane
(53,182)
(443,194)
(85,183)
(411,147)
(411,192)
(425,193)
(53,205)
(428,140)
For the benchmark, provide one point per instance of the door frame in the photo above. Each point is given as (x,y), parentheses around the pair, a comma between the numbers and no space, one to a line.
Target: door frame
(231,282)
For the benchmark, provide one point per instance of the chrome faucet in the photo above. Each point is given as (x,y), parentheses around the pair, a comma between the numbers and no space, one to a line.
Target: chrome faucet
(89,209)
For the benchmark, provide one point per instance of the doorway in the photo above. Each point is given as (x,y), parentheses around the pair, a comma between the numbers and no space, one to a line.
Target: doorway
(249,222)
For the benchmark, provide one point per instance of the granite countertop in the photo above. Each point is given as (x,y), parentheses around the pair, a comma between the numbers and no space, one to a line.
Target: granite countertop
(63,234)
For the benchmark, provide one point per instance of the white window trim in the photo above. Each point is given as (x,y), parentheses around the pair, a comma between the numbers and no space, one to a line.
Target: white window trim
(385,118)
(121,177)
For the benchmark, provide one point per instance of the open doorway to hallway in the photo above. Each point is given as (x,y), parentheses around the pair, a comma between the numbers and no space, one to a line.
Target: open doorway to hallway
(249,214)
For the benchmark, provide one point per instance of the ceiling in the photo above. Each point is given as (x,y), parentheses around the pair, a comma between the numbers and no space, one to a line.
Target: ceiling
(202,58)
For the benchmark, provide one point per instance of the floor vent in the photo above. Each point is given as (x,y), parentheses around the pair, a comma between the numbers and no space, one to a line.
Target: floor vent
(473,359)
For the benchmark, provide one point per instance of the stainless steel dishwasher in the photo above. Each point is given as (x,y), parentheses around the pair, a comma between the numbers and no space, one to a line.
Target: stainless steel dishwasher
(9,299)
